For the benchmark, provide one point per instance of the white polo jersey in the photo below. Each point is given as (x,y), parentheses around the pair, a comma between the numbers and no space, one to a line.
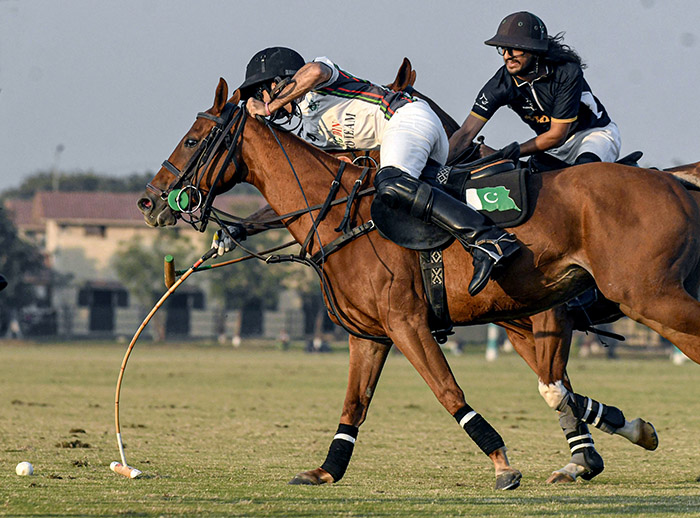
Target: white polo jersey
(347,113)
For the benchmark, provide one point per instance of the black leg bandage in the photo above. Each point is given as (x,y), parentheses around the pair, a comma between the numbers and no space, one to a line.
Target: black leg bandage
(480,431)
(583,451)
(603,417)
(340,451)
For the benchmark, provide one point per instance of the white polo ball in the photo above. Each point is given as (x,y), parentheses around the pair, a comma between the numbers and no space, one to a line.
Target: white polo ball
(24,469)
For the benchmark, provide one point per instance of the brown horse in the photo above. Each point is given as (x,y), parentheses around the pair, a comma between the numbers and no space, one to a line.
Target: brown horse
(544,340)
(544,345)
(579,232)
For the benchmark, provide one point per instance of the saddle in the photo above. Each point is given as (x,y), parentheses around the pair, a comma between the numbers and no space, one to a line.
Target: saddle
(493,187)
(497,188)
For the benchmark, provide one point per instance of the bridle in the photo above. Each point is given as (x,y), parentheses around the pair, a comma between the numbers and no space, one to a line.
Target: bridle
(226,135)
(184,195)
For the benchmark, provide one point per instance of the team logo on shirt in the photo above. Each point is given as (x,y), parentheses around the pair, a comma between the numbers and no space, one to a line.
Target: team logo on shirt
(343,134)
(527,105)
(482,102)
(539,119)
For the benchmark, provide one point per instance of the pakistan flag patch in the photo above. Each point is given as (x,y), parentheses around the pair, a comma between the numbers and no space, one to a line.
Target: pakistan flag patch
(491,199)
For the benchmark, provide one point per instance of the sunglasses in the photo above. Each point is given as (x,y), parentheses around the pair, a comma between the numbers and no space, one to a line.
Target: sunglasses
(510,50)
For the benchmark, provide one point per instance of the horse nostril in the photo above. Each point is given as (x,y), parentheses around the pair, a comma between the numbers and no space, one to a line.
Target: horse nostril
(145,205)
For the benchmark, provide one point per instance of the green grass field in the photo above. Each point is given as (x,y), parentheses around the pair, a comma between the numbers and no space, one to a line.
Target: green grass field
(219,432)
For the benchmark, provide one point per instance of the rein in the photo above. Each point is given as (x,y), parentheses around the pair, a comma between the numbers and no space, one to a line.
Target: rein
(319,258)
(226,136)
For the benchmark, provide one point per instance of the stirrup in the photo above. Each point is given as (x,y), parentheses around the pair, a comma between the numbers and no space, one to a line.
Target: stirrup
(499,251)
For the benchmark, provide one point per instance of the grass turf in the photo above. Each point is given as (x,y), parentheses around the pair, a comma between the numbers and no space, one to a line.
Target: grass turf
(219,432)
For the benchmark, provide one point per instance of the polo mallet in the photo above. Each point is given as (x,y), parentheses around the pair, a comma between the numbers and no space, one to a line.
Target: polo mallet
(123,467)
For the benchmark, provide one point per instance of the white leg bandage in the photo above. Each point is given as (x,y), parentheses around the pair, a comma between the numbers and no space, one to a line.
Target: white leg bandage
(554,393)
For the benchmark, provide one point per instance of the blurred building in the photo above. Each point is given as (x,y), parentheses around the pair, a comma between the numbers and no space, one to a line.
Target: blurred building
(79,233)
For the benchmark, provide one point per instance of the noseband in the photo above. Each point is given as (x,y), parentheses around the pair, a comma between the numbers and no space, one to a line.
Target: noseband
(184,195)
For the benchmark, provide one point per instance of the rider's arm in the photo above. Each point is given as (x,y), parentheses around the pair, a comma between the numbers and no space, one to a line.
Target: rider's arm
(464,136)
(554,137)
(306,79)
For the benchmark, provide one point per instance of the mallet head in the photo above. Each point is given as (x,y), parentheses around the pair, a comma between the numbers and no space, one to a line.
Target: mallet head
(126,471)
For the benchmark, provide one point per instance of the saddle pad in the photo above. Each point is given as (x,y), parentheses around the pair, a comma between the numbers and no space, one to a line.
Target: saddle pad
(501,197)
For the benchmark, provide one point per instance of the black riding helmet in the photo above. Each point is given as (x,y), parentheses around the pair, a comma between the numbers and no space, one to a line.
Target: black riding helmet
(521,30)
(268,64)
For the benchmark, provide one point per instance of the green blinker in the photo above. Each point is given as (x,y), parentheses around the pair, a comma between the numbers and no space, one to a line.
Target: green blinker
(178,200)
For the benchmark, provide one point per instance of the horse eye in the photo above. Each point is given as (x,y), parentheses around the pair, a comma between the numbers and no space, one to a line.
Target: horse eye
(191,142)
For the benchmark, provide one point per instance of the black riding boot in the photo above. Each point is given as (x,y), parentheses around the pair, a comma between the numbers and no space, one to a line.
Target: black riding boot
(488,244)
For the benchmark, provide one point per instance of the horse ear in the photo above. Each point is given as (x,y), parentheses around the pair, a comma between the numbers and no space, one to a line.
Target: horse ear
(406,76)
(220,96)
(236,97)
(410,73)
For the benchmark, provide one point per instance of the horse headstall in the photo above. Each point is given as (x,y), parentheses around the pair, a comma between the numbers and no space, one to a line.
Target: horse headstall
(184,194)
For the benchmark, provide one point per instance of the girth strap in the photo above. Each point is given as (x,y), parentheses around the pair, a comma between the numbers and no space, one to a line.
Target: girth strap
(433,274)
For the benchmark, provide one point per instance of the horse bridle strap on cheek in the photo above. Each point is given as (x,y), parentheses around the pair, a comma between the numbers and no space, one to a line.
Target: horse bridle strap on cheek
(183,194)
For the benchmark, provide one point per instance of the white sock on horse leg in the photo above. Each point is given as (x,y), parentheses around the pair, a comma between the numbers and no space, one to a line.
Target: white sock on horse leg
(553,394)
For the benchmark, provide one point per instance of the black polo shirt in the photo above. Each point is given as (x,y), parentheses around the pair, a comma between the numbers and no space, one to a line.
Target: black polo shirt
(562,95)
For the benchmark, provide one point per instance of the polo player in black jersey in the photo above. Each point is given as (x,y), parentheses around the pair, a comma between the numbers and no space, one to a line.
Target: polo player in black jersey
(542,81)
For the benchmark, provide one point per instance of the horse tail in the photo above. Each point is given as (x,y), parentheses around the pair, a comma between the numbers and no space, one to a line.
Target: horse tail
(688,175)
(689,179)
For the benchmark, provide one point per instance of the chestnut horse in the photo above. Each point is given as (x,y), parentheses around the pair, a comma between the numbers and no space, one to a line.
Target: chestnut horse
(578,233)
(544,340)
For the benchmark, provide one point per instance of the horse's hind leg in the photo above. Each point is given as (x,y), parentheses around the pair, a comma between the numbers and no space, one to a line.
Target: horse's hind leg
(546,350)
(672,313)
(367,359)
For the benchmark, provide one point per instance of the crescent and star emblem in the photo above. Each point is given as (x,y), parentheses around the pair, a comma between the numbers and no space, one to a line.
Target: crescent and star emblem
(491,197)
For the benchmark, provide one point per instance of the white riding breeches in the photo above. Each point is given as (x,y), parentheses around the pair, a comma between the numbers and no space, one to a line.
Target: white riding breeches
(603,142)
(412,135)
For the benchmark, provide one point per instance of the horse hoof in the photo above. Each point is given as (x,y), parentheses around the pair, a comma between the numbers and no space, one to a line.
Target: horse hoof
(558,477)
(508,480)
(315,477)
(648,439)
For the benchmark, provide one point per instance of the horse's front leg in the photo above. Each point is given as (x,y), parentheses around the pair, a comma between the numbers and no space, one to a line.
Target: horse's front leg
(367,359)
(419,347)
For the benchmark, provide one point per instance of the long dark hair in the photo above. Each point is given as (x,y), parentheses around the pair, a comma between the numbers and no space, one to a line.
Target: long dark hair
(559,52)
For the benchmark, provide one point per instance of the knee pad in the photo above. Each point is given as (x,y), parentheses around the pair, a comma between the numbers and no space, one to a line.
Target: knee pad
(400,191)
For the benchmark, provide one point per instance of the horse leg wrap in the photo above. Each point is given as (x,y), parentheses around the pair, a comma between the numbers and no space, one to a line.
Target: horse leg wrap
(340,451)
(583,452)
(603,417)
(480,431)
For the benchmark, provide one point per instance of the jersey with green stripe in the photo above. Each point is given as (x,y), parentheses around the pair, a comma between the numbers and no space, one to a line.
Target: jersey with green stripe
(346,112)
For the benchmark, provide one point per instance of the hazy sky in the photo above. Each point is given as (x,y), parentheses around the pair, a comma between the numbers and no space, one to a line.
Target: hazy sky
(116,84)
